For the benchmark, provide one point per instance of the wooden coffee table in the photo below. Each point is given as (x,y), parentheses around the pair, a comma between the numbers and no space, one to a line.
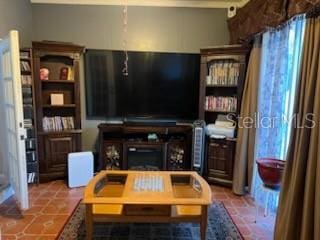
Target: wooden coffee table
(153,196)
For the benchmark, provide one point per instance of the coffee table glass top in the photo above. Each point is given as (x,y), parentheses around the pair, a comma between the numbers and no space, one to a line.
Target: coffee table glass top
(148,187)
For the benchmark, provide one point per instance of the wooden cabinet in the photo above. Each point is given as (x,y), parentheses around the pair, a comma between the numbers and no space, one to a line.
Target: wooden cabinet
(125,146)
(57,88)
(219,155)
(55,152)
(222,76)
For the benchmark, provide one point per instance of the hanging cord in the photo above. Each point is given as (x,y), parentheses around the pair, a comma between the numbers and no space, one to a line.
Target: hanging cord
(125,30)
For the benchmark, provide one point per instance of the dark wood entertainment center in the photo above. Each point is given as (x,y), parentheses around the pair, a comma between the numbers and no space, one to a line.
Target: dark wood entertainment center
(121,144)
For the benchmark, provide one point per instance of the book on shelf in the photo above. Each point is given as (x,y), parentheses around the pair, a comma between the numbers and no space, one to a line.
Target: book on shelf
(31,177)
(57,123)
(70,73)
(31,156)
(66,73)
(223,104)
(25,66)
(26,80)
(26,91)
(225,73)
(28,123)
(28,111)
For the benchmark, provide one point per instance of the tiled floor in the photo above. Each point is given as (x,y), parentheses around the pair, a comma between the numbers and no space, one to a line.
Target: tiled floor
(52,203)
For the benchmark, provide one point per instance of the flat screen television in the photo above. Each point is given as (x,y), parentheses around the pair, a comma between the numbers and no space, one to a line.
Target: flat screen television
(159,85)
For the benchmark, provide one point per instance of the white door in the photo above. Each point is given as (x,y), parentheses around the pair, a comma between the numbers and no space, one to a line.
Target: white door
(11,102)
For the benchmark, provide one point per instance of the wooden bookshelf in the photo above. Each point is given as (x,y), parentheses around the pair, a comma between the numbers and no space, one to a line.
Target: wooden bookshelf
(29,109)
(222,75)
(56,68)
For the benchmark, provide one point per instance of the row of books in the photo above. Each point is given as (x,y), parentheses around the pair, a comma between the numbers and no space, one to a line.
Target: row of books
(31,156)
(24,55)
(223,73)
(223,104)
(28,123)
(26,79)
(25,66)
(57,123)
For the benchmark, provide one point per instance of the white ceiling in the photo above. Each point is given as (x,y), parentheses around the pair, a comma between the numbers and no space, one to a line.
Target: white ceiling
(159,3)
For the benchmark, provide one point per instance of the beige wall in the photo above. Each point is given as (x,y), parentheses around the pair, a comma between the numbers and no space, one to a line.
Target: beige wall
(149,29)
(14,15)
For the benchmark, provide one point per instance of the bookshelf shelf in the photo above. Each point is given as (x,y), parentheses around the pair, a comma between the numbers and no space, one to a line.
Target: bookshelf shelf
(26,72)
(59,106)
(219,111)
(73,131)
(59,126)
(58,81)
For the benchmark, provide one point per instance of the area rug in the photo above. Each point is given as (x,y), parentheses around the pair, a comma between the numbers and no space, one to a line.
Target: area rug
(220,227)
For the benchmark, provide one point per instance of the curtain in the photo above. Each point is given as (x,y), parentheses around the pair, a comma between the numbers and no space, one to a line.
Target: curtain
(254,17)
(301,6)
(280,61)
(246,135)
(298,214)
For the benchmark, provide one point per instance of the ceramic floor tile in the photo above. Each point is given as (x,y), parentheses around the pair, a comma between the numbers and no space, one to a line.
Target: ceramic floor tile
(52,204)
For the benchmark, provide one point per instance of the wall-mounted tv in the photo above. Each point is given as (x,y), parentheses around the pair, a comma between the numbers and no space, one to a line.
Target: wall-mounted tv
(158,86)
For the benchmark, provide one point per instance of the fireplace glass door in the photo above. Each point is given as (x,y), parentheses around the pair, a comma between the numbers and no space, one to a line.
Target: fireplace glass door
(145,157)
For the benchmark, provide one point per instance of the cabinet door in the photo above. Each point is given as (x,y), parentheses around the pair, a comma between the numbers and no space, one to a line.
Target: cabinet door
(220,159)
(56,152)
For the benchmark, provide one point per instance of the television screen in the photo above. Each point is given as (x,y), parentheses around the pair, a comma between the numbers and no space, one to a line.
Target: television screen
(158,86)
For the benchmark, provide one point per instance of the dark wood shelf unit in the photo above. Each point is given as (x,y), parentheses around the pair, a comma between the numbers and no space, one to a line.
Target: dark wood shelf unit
(219,153)
(55,144)
(116,140)
(29,107)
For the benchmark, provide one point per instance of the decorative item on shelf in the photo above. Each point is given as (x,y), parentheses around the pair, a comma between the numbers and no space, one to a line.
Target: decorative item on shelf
(56,99)
(44,74)
(152,137)
(176,155)
(64,73)
(112,158)
(223,127)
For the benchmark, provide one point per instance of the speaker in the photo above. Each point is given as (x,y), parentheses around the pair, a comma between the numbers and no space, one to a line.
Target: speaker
(198,146)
